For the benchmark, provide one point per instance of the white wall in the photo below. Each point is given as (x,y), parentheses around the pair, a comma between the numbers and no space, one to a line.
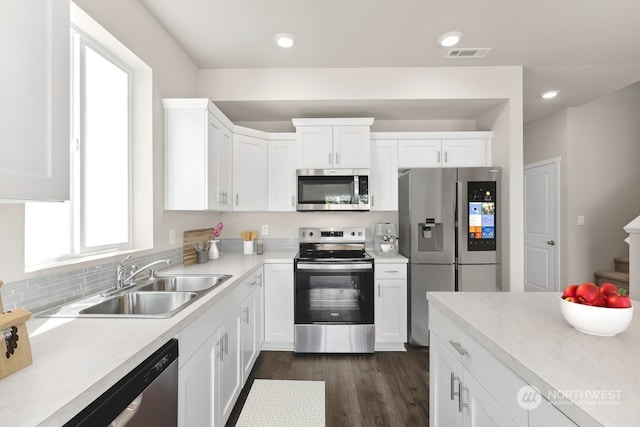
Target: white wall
(599,144)
(545,139)
(503,83)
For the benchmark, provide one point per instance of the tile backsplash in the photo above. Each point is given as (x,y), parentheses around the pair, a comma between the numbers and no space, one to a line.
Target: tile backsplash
(44,292)
(41,293)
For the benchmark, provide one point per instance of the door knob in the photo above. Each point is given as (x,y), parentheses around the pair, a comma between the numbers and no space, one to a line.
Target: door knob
(551,242)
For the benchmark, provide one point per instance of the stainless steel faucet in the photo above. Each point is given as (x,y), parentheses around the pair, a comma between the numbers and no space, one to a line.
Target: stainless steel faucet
(123,281)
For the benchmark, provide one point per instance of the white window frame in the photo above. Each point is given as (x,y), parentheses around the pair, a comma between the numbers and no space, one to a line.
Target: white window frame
(140,147)
(78,136)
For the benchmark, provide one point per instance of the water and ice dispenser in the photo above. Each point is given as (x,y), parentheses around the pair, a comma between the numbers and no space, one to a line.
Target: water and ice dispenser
(385,239)
(430,235)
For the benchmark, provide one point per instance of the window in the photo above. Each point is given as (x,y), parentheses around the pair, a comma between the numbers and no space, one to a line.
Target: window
(97,219)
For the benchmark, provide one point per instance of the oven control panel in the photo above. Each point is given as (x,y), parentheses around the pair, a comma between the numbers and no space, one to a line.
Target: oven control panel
(331,234)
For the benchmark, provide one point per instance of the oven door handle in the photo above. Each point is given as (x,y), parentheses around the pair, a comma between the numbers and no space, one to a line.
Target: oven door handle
(333,266)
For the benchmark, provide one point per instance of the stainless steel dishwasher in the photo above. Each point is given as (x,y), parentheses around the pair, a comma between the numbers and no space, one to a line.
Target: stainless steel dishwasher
(146,396)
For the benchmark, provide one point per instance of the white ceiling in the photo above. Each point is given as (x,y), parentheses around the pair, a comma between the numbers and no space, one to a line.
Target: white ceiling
(584,48)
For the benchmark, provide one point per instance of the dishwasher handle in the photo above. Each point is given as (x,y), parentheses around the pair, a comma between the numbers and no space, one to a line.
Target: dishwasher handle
(128,413)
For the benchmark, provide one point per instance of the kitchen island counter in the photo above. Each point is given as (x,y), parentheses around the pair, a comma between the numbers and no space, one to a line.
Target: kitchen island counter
(75,360)
(593,380)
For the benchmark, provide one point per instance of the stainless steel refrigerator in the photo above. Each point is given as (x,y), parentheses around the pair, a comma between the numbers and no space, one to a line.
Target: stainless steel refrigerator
(449,228)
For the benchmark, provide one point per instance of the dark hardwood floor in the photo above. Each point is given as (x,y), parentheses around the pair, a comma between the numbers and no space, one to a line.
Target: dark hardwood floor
(382,389)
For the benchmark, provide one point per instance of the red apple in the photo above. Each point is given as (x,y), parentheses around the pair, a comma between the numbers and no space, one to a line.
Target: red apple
(569,291)
(601,301)
(588,292)
(608,289)
(618,301)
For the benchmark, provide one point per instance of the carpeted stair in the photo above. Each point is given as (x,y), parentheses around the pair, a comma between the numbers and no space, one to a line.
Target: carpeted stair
(619,276)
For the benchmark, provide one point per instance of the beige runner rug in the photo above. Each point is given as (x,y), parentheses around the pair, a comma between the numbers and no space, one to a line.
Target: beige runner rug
(284,403)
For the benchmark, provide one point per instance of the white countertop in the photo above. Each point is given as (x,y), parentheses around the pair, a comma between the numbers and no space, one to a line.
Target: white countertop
(76,360)
(527,332)
(384,259)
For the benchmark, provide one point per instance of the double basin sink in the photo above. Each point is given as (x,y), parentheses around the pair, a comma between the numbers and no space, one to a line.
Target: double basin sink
(153,298)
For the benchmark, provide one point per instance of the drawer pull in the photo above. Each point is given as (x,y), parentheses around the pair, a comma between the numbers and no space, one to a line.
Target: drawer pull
(391,271)
(459,348)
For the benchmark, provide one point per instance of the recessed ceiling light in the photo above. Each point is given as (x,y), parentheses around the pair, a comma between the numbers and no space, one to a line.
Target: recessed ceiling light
(550,94)
(284,40)
(451,38)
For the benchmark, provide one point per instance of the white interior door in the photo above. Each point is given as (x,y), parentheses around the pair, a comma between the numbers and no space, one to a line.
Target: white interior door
(541,214)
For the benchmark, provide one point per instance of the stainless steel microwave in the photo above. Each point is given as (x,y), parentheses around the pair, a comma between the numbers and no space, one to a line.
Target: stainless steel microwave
(333,189)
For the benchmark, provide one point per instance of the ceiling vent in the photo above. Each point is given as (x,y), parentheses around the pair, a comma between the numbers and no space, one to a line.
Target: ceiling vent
(468,53)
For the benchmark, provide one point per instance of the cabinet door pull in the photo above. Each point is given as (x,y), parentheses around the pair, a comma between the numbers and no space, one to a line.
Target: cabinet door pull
(391,271)
(237,198)
(378,291)
(219,351)
(259,282)
(329,158)
(446,156)
(246,319)
(226,343)
(453,386)
(460,404)
(438,157)
(459,348)
(337,158)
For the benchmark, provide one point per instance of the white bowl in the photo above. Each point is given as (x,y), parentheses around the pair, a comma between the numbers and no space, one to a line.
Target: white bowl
(602,321)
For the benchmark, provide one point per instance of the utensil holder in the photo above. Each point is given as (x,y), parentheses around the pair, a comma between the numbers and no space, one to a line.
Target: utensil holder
(202,256)
(247,247)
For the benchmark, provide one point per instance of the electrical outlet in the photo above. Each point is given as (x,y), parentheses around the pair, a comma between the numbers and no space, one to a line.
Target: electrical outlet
(265,230)
(172,237)
(580,219)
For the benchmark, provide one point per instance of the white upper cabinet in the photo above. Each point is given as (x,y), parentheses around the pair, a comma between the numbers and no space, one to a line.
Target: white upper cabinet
(383,180)
(419,153)
(442,149)
(198,150)
(249,172)
(333,143)
(466,153)
(282,175)
(34,106)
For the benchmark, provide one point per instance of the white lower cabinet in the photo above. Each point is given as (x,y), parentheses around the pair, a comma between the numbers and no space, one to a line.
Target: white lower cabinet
(456,397)
(469,386)
(229,366)
(278,306)
(217,352)
(391,306)
(251,319)
(196,379)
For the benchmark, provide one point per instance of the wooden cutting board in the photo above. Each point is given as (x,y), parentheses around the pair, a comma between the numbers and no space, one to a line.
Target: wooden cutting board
(191,237)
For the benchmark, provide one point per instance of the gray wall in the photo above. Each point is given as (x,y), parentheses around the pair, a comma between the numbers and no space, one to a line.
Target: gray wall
(599,147)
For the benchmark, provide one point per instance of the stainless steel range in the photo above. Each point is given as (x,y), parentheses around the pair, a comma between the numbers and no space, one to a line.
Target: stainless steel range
(334,292)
